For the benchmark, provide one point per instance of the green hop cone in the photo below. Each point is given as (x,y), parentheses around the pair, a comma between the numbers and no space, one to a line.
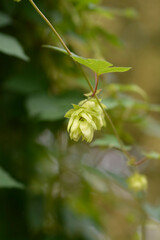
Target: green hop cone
(84,119)
(138,182)
(96,111)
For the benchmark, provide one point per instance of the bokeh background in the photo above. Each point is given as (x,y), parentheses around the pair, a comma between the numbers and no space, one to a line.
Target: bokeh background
(65,190)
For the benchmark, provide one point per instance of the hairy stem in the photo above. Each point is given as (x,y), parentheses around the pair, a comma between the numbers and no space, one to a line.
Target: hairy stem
(88,81)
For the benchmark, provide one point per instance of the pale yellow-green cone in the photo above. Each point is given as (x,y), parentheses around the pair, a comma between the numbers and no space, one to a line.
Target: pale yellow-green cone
(92,104)
(84,120)
(138,182)
(96,111)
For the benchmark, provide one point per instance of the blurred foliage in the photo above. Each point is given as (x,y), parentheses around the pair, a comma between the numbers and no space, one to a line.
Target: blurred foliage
(67,190)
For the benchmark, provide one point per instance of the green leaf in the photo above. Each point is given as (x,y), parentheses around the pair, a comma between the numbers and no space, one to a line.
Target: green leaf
(110,37)
(114,88)
(127,102)
(108,140)
(153,212)
(58,49)
(107,175)
(154,107)
(97,65)
(51,108)
(151,127)
(83,3)
(29,81)
(6,181)
(152,155)
(5,20)
(110,103)
(9,45)
(113,12)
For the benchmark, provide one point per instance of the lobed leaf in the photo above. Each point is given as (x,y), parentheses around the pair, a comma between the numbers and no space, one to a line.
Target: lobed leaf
(97,65)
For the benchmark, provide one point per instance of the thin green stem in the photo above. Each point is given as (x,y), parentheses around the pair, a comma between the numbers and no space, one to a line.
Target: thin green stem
(88,81)
(51,26)
(61,40)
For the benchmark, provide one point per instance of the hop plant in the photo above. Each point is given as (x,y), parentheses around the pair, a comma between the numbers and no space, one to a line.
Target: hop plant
(84,119)
(138,182)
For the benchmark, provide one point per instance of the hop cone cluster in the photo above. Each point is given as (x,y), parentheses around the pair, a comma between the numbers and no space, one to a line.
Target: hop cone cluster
(84,119)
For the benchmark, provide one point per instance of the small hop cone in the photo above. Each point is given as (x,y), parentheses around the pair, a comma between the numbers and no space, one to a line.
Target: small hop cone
(138,182)
(84,119)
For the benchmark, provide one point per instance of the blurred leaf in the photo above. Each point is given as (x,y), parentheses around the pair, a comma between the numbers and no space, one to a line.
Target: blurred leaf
(151,127)
(124,101)
(9,45)
(51,108)
(4,19)
(127,102)
(154,107)
(153,212)
(113,39)
(96,181)
(6,181)
(110,103)
(112,12)
(110,37)
(127,88)
(136,118)
(29,81)
(83,3)
(107,175)
(108,140)
(152,155)
(120,180)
